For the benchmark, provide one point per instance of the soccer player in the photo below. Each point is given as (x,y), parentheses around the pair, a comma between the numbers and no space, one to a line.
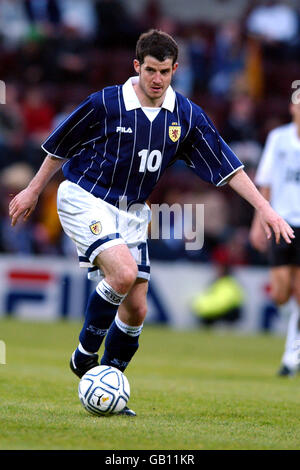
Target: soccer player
(113,149)
(278,176)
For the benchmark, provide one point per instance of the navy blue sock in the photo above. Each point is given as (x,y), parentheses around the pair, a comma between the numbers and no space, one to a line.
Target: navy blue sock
(99,315)
(120,347)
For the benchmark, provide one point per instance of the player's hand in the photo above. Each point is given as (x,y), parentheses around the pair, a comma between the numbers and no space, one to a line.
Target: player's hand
(271,221)
(22,205)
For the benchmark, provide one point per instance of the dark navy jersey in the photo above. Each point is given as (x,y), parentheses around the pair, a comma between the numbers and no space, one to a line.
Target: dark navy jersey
(114,150)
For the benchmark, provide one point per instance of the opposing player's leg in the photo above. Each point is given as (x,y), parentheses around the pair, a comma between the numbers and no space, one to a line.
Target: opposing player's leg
(120,271)
(282,290)
(296,277)
(281,284)
(294,341)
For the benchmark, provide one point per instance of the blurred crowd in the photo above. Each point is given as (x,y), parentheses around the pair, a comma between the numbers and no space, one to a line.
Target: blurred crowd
(53,53)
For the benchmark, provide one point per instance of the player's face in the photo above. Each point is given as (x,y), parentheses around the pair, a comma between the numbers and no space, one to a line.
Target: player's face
(154,79)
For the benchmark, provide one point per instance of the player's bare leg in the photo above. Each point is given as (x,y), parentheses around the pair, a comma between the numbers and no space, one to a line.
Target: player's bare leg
(133,309)
(122,338)
(120,271)
(282,291)
(296,293)
(121,330)
(119,268)
(281,284)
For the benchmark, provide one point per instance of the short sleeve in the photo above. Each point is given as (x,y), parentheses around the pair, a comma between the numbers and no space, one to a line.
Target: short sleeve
(208,155)
(71,132)
(264,170)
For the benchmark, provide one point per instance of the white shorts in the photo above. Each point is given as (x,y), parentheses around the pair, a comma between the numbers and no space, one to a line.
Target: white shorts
(94,225)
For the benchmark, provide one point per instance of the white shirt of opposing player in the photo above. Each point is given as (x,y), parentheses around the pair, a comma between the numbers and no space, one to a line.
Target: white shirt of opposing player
(279,169)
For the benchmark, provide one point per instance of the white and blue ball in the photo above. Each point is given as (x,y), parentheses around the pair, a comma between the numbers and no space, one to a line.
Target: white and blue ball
(104,390)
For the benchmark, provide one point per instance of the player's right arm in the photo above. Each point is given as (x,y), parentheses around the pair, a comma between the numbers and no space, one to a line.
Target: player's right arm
(24,203)
(60,146)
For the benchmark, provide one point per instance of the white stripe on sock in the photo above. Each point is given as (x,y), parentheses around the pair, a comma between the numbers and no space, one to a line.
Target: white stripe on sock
(127,329)
(83,351)
(109,294)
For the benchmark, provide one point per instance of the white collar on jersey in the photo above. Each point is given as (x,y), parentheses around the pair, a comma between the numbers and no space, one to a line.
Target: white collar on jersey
(132,102)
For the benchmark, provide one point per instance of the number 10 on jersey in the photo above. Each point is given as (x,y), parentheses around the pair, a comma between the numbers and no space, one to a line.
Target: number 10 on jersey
(149,161)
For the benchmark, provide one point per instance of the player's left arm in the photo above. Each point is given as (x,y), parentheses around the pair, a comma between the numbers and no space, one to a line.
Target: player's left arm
(270,220)
(257,235)
(213,160)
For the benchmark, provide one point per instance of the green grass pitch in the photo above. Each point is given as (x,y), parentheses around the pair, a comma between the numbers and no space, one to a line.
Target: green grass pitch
(191,390)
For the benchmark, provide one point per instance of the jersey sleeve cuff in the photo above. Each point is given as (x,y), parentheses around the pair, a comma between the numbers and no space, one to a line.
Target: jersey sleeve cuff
(53,154)
(225,179)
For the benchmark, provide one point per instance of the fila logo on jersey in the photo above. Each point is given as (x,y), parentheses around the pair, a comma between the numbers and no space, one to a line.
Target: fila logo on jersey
(125,130)
(96,227)
(174,131)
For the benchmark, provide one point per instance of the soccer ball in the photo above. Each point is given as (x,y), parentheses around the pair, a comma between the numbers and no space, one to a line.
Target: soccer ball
(104,390)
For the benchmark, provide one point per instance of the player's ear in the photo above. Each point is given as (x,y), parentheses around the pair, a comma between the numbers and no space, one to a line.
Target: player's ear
(174,67)
(137,66)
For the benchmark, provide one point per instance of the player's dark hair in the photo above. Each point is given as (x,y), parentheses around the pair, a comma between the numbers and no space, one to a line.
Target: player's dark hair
(158,44)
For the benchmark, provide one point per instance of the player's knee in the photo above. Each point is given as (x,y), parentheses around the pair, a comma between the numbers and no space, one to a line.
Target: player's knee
(138,313)
(124,278)
(280,296)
